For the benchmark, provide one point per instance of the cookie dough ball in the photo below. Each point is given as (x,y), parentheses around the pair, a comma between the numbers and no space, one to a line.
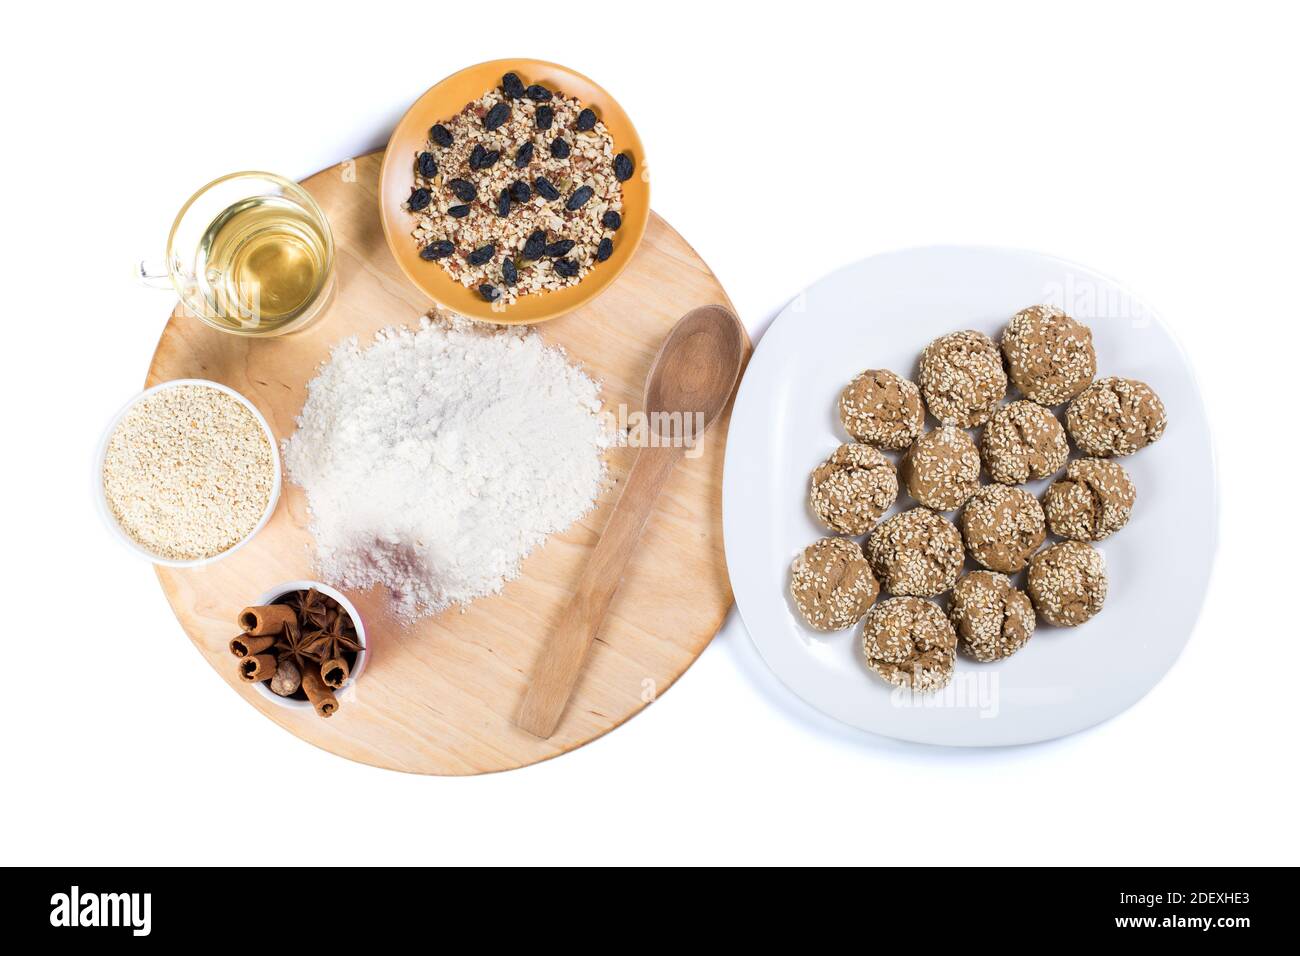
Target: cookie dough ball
(832,584)
(1092,501)
(882,409)
(1067,583)
(993,620)
(1115,416)
(853,488)
(916,552)
(942,469)
(1023,441)
(1050,357)
(1002,527)
(910,643)
(962,378)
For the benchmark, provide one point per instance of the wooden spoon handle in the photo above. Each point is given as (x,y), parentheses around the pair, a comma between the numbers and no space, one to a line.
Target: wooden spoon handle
(556,671)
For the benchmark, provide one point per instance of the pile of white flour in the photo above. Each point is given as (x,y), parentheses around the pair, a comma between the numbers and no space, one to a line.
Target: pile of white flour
(435,460)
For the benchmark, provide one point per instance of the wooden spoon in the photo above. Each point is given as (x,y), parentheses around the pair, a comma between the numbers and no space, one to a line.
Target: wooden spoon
(688,386)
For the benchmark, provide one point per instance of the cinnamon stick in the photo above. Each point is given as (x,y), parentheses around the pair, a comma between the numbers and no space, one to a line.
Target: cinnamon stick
(321,697)
(267,619)
(334,672)
(246,644)
(257,667)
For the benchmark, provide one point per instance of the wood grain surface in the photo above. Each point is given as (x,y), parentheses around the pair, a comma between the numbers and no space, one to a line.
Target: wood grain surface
(692,380)
(438,696)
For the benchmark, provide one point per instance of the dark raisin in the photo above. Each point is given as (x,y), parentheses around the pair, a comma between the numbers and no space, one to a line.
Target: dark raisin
(489,292)
(465,190)
(560,247)
(420,198)
(496,117)
(566,267)
(481,158)
(586,120)
(512,86)
(559,148)
(545,189)
(544,117)
(503,203)
(605,249)
(440,135)
(427,165)
(623,167)
(481,255)
(579,198)
(535,246)
(458,212)
(539,94)
(611,220)
(524,156)
(519,191)
(509,272)
(437,250)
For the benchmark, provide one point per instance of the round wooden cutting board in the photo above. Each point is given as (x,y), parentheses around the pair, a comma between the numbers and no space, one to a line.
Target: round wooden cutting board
(439,696)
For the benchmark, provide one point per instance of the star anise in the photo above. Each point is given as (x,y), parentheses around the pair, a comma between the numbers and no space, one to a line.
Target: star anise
(313,609)
(293,644)
(338,637)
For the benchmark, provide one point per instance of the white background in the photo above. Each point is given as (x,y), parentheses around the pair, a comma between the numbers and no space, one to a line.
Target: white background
(1155,143)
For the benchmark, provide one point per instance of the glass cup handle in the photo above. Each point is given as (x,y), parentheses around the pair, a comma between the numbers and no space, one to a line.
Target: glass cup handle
(154,275)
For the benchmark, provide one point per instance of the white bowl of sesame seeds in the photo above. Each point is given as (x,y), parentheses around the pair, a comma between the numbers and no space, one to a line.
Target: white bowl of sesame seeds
(187,473)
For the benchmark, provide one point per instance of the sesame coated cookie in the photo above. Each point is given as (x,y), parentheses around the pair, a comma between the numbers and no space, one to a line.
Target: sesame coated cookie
(882,409)
(942,469)
(832,584)
(1050,356)
(910,643)
(962,379)
(1092,501)
(1023,441)
(993,620)
(1067,583)
(1115,416)
(1002,526)
(851,490)
(916,553)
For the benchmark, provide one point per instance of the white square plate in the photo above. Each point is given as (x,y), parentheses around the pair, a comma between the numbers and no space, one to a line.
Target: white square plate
(880,313)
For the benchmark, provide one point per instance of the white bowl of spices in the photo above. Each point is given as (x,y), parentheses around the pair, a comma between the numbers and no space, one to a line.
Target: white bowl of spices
(187,473)
(312,645)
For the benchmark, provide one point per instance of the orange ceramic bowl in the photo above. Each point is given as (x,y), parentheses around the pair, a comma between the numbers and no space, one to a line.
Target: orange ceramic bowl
(445,100)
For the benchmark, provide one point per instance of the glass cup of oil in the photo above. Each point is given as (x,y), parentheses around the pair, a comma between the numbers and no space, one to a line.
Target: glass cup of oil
(252,254)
